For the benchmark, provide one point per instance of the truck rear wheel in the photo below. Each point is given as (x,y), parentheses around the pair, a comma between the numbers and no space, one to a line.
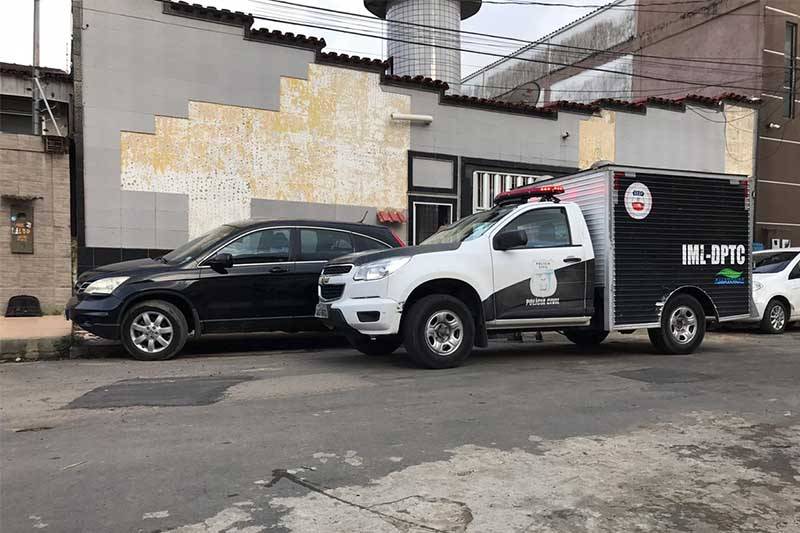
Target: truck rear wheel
(383,345)
(683,326)
(586,337)
(439,331)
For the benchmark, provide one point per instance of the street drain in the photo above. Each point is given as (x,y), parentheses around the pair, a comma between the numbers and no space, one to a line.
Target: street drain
(158,392)
(662,376)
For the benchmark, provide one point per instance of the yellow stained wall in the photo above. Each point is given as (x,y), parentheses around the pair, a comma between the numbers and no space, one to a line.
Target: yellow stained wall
(332,141)
(597,139)
(740,127)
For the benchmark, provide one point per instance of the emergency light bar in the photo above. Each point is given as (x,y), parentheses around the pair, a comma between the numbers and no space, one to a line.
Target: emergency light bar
(523,194)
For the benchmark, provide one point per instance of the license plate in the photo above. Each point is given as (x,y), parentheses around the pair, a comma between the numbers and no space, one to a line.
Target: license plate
(322,311)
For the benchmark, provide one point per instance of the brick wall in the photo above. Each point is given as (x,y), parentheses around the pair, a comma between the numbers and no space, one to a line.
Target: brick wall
(27,171)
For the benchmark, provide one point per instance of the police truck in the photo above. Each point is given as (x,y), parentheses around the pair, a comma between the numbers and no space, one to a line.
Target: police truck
(610,249)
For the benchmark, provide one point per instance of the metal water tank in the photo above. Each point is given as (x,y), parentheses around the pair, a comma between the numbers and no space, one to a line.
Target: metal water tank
(416,48)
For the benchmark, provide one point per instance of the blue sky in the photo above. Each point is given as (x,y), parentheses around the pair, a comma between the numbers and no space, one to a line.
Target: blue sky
(520,21)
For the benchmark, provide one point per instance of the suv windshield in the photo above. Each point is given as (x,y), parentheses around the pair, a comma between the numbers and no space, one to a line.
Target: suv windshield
(771,262)
(470,227)
(198,245)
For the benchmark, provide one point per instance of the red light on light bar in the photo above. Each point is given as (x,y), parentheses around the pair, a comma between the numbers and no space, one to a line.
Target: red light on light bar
(531,191)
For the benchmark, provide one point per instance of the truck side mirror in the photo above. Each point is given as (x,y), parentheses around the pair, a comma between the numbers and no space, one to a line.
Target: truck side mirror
(510,239)
(220,262)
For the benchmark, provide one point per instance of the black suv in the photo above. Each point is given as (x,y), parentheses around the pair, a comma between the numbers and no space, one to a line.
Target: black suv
(242,277)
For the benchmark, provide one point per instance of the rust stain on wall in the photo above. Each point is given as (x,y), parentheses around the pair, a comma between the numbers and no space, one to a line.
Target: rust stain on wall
(331,142)
(596,139)
(740,124)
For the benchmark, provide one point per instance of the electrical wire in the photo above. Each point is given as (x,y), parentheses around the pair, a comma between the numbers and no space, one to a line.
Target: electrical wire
(125,15)
(525,43)
(627,7)
(492,54)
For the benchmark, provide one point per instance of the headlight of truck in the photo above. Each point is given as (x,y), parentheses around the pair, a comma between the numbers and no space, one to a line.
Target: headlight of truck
(757,285)
(379,269)
(105,285)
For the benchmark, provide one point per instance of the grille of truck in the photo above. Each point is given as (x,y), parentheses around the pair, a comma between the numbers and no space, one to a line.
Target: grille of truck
(335,270)
(331,292)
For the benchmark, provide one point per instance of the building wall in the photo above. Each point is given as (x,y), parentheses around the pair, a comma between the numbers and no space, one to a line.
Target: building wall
(602,29)
(15,99)
(589,83)
(26,171)
(181,148)
(778,192)
(318,147)
(137,64)
(728,33)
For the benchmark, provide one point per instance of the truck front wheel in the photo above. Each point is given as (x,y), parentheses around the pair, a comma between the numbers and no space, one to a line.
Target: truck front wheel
(683,326)
(439,331)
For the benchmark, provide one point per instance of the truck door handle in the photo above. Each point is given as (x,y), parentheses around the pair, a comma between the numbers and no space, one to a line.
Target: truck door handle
(278,270)
(572,259)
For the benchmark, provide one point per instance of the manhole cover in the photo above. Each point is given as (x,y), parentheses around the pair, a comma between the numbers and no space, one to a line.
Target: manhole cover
(662,376)
(160,392)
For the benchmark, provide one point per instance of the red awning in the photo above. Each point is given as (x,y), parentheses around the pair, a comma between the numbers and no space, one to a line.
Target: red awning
(391,216)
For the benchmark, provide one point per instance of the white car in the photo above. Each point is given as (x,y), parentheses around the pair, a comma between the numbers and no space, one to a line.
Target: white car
(776,288)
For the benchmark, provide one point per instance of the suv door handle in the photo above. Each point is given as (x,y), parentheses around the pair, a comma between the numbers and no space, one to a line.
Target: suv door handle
(572,259)
(278,270)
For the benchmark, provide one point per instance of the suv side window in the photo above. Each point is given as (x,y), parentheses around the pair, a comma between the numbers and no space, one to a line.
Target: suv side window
(323,244)
(546,228)
(364,244)
(265,246)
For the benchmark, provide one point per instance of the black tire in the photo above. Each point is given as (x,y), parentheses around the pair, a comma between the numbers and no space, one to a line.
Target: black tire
(775,319)
(680,340)
(382,345)
(153,308)
(421,314)
(586,336)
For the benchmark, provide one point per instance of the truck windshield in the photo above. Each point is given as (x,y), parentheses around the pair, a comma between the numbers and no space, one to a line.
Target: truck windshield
(470,227)
(771,262)
(198,245)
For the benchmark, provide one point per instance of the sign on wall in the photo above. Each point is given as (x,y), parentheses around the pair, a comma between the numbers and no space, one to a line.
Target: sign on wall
(21,220)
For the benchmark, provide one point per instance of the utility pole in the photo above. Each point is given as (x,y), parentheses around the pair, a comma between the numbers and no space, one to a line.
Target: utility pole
(35,70)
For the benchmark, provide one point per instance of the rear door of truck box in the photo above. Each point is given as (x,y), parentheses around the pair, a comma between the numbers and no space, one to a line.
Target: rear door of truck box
(673,230)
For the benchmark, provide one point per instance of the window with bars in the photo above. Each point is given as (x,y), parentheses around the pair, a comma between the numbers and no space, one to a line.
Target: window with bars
(487,185)
(790,76)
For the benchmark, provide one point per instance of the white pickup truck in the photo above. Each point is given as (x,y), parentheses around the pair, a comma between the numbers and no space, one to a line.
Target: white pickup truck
(623,249)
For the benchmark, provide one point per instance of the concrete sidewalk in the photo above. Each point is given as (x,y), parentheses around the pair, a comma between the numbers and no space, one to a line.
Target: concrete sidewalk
(32,338)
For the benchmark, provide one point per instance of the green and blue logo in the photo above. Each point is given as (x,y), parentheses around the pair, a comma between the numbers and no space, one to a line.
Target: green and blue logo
(729,276)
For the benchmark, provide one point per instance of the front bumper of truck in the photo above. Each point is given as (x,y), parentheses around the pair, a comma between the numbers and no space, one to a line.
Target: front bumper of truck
(360,308)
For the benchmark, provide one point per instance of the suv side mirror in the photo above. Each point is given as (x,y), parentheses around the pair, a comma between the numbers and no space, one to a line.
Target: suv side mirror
(510,239)
(221,262)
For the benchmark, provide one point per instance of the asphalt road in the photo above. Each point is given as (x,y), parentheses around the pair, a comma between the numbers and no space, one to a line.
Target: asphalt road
(284,436)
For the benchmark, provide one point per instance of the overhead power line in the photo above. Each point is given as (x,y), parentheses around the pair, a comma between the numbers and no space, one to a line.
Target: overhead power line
(696,9)
(492,54)
(523,42)
(569,55)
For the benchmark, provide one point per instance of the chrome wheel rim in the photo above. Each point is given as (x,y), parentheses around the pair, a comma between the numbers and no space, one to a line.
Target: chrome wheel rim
(444,332)
(151,331)
(777,317)
(683,325)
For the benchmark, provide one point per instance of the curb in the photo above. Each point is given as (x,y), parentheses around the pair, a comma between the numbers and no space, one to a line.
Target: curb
(38,349)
